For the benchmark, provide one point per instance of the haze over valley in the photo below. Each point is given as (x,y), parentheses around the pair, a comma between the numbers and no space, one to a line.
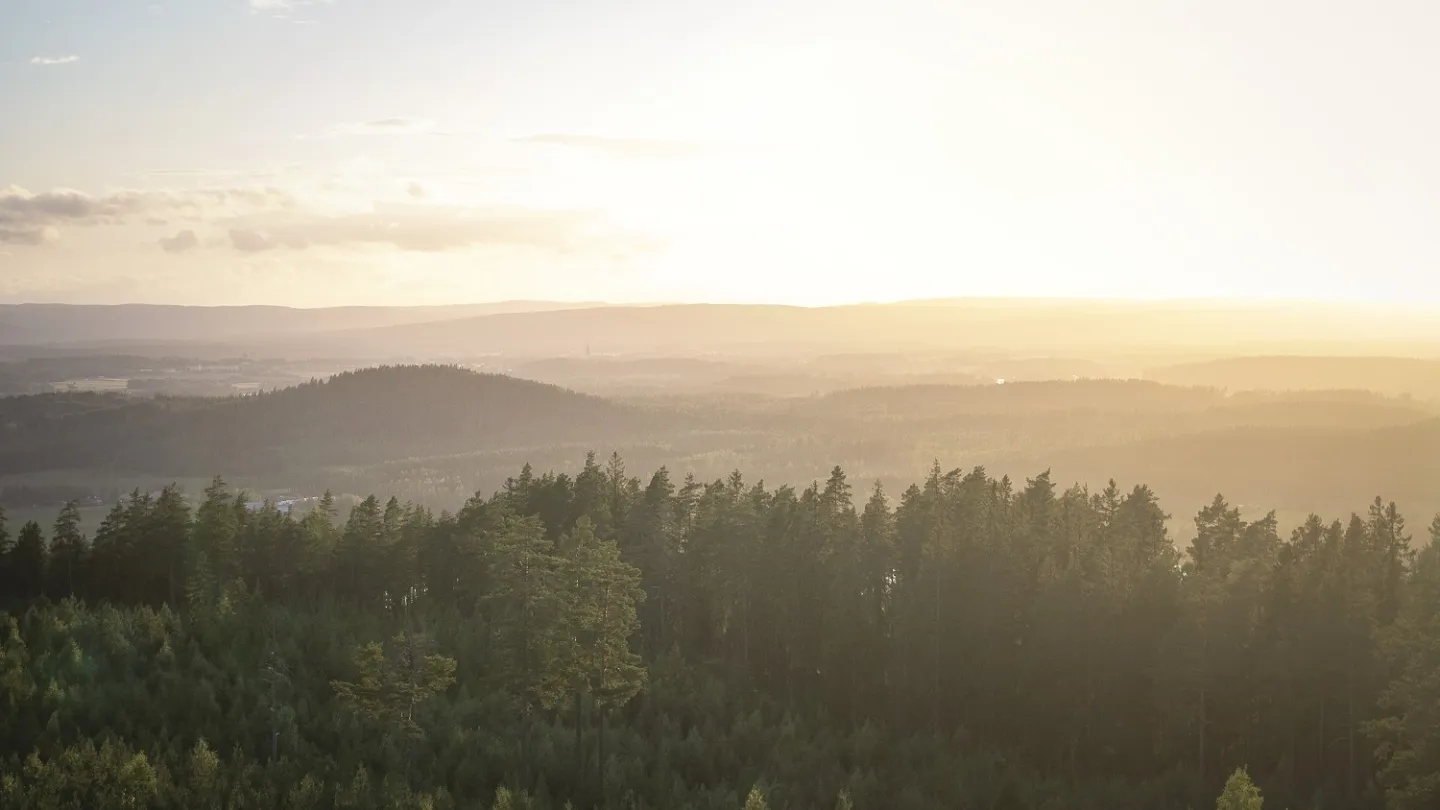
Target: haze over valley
(1088,390)
(761,405)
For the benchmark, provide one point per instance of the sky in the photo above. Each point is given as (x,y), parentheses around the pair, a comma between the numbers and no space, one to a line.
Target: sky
(329,152)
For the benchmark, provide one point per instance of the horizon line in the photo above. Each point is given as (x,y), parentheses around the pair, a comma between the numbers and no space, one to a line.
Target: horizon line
(1367,303)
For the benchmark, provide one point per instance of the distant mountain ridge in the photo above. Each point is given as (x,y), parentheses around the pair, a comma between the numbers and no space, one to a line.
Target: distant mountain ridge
(75,323)
(770,329)
(538,328)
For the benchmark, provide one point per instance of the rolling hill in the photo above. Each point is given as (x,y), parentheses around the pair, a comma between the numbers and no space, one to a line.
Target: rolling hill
(437,434)
(361,417)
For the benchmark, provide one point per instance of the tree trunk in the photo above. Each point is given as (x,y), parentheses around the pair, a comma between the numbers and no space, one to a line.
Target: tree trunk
(601,764)
(579,749)
(1350,735)
(935,659)
(1202,731)
(1204,645)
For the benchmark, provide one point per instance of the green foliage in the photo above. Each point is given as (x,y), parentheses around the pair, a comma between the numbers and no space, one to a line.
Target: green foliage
(592,641)
(83,777)
(395,680)
(1408,727)
(600,618)
(1240,793)
(526,610)
(68,553)
(28,561)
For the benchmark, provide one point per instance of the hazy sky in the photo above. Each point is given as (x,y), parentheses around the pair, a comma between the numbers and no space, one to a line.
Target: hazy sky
(415,151)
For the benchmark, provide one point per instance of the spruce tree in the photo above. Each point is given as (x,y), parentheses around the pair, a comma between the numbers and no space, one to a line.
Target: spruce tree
(395,679)
(67,553)
(210,559)
(30,558)
(7,559)
(1240,793)
(1408,729)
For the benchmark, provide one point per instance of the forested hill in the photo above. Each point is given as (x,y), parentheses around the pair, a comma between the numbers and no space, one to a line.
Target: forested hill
(357,417)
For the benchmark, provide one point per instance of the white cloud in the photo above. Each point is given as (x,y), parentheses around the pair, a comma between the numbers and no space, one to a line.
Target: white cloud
(434,228)
(54,60)
(29,218)
(181,242)
(254,220)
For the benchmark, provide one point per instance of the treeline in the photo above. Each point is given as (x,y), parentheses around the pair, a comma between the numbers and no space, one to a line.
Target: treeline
(614,642)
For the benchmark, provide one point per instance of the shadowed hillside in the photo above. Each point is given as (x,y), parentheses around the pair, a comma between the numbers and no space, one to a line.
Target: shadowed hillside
(358,417)
(437,434)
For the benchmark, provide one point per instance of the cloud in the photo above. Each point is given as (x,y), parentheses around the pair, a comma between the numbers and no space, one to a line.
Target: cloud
(247,241)
(27,236)
(34,219)
(29,218)
(180,242)
(54,60)
(430,228)
(258,219)
(619,147)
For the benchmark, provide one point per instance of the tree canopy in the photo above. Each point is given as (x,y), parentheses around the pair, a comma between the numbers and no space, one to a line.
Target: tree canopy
(609,641)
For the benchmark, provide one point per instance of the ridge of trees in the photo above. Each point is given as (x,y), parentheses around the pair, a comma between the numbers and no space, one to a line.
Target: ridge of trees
(611,641)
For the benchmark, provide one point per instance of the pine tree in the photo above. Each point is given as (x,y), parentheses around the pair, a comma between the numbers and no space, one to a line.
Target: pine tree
(317,547)
(30,558)
(395,679)
(1240,793)
(1408,730)
(601,595)
(8,584)
(67,553)
(167,531)
(360,554)
(527,619)
(210,559)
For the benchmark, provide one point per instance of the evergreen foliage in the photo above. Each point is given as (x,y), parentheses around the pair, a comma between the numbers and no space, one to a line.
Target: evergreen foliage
(594,641)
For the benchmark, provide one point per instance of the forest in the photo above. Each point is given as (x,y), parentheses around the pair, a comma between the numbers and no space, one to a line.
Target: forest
(602,640)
